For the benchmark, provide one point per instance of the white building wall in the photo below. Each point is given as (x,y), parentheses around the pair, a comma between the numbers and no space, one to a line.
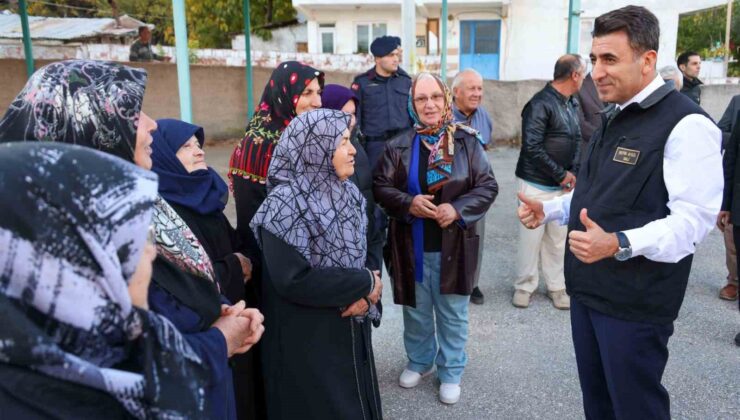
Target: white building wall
(346,20)
(533,32)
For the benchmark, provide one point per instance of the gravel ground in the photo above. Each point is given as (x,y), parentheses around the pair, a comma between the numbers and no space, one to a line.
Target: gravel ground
(521,361)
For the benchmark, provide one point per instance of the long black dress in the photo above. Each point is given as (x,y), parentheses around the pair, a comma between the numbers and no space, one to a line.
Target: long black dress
(220,241)
(317,365)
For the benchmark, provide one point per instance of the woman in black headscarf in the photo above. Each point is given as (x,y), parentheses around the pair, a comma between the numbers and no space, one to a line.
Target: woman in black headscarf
(318,297)
(98,104)
(293,89)
(198,195)
(78,340)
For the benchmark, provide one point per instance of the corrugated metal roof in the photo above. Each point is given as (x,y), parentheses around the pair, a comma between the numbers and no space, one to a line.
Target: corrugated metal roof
(66,29)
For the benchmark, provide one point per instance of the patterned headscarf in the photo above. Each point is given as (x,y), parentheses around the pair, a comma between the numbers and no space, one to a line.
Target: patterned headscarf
(88,103)
(315,212)
(70,240)
(251,157)
(440,135)
(97,104)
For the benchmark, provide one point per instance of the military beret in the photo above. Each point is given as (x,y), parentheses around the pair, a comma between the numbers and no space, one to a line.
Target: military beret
(384,45)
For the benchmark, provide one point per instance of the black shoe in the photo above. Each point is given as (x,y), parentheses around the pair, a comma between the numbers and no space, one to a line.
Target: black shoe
(477,297)
(737,339)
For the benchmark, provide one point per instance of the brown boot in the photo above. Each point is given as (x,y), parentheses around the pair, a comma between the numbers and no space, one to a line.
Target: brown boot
(729,292)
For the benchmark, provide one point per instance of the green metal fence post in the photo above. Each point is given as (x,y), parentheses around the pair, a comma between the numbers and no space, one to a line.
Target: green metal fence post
(248,52)
(27,50)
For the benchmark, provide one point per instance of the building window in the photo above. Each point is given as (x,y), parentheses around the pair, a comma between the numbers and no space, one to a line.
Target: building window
(326,38)
(366,33)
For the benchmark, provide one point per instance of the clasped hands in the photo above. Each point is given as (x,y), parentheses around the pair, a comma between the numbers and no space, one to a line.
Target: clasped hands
(242,327)
(423,208)
(590,246)
(360,307)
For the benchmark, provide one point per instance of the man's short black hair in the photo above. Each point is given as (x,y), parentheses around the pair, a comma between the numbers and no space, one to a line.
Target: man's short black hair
(567,65)
(640,25)
(142,28)
(684,57)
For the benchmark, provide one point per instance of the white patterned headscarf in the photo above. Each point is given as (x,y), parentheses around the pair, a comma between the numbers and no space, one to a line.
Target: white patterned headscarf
(318,214)
(70,240)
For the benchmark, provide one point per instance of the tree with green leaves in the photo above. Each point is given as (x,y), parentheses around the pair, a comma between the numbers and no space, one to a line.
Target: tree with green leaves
(211,23)
(704,32)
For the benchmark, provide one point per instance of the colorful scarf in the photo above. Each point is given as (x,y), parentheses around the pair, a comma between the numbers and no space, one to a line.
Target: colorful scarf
(178,244)
(440,136)
(251,157)
(65,261)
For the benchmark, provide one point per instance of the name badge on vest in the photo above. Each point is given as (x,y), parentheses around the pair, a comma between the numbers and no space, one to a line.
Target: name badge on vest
(627,156)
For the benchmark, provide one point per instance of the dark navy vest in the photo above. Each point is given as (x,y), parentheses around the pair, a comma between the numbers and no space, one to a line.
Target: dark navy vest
(621,183)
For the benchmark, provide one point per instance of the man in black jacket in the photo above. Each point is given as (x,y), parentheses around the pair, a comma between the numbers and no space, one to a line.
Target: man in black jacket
(551,138)
(690,65)
(730,290)
(730,214)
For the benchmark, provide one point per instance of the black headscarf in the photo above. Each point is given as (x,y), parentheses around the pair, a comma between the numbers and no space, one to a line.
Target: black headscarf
(70,240)
(251,157)
(88,103)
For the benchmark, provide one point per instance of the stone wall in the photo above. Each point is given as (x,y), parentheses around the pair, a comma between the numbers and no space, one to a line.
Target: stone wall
(220,106)
(353,63)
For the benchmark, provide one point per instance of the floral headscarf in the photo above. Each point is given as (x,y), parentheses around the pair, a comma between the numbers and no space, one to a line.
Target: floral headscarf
(251,157)
(84,102)
(65,261)
(440,135)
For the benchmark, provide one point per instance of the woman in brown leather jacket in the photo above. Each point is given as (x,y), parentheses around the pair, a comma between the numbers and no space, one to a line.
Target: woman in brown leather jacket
(435,183)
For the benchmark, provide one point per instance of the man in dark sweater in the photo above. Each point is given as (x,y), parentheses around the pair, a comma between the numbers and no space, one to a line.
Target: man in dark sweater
(649,189)
(690,65)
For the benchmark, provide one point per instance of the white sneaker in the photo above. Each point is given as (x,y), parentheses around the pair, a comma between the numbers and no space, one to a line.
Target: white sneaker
(449,393)
(410,379)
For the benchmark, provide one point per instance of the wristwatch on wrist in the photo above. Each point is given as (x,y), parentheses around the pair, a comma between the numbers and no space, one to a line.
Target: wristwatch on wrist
(625,249)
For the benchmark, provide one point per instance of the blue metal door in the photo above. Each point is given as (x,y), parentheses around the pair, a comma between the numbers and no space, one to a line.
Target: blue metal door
(479,46)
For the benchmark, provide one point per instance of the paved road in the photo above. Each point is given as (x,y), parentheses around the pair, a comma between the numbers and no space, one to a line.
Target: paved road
(521,361)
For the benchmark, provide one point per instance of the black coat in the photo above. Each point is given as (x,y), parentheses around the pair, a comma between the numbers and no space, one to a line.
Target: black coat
(731,198)
(363,179)
(317,365)
(692,89)
(29,395)
(221,241)
(551,138)
(588,111)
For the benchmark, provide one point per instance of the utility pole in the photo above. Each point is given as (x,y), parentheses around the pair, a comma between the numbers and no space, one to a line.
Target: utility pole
(727,37)
(574,13)
(183,62)
(408,41)
(443,58)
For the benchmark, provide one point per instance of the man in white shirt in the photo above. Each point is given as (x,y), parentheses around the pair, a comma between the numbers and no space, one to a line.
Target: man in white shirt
(649,189)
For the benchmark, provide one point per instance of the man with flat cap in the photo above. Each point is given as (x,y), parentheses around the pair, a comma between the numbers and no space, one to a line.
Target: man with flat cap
(383,93)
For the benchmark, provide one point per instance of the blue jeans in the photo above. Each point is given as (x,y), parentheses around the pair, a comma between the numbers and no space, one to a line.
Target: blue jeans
(419,338)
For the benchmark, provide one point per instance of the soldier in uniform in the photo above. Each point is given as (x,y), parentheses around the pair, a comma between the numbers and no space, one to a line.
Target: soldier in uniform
(383,92)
